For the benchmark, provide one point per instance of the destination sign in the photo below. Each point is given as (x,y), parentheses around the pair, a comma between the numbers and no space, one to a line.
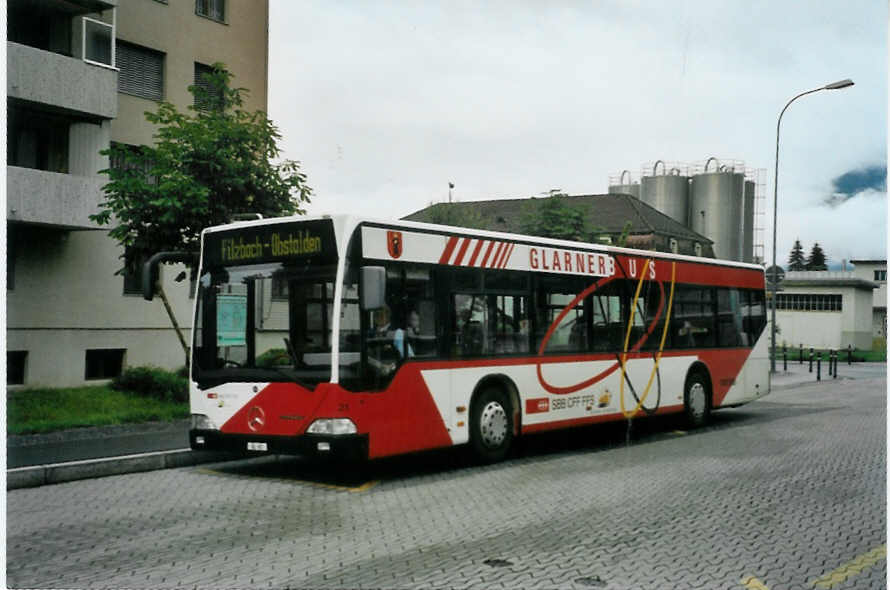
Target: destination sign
(278,242)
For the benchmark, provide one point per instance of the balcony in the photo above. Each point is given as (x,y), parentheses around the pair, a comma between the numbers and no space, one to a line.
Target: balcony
(52,198)
(65,83)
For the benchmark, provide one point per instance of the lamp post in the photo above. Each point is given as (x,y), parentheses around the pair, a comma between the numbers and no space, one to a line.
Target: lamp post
(833,86)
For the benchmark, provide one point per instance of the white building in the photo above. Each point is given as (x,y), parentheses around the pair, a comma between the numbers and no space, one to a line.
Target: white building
(825,309)
(875,271)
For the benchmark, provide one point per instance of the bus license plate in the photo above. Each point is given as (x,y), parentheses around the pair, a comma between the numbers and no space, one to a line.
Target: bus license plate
(257,446)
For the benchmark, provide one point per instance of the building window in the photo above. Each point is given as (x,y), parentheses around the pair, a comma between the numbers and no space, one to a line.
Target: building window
(98,41)
(880,275)
(104,363)
(214,9)
(133,276)
(10,256)
(207,96)
(15,366)
(37,140)
(141,71)
(808,302)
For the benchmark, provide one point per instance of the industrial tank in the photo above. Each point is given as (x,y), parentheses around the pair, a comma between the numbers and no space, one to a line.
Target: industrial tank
(717,210)
(625,187)
(748,223)
(668,193)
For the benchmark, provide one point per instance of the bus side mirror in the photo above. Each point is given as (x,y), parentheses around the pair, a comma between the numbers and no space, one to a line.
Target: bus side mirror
(373,287)
(150,269)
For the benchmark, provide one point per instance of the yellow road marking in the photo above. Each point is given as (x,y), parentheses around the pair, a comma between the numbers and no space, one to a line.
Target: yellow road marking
(679,432)
(354,489)
(752,583)
(851,568)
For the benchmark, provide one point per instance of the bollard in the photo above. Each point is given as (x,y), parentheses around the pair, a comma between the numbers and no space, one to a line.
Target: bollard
(819,367)
(784,359)
(834,375)
(811,360)
(849,354)
(800,355)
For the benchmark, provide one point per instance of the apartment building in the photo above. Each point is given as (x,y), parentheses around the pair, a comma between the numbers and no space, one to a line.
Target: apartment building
(80,75)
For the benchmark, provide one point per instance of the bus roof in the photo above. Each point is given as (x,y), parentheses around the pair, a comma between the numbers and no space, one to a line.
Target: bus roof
(349,222)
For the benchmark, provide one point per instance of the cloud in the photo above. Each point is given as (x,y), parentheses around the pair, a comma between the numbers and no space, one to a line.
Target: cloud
(855,182)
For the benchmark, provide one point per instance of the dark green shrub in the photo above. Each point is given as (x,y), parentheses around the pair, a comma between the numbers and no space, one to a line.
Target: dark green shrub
(274,357)
(153,382)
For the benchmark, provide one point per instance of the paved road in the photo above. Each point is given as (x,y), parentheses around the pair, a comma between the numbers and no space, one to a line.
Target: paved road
(788,492)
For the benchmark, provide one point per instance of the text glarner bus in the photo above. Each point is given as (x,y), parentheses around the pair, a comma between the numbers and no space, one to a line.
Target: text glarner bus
(365,339)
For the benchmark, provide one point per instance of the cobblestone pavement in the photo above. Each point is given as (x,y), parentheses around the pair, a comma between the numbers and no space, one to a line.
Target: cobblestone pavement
(788,492)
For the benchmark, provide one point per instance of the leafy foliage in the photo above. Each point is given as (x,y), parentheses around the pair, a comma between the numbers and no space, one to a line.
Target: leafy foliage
(817,259)
(457,214)
(554,217)
(205,167)
(152,382)
(797,260)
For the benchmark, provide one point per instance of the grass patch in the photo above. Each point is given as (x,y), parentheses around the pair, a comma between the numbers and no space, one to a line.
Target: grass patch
(44,410)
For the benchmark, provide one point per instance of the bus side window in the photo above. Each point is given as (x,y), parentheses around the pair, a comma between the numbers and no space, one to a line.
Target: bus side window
(607,324)
(729,318)
(470,325)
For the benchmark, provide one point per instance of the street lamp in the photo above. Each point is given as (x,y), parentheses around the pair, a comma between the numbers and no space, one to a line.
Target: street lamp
(833,86)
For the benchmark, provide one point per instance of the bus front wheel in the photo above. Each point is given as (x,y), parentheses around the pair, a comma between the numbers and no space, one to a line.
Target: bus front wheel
(696,402)
(491,425)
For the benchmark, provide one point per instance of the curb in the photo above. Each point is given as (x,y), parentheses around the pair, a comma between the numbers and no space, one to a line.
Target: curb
(39,475)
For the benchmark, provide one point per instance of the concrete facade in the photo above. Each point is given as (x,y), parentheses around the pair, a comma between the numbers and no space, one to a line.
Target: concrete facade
(851,325)
(63,297)
(876,271)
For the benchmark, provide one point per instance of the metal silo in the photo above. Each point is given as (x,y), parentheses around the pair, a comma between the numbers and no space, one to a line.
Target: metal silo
(748,223)
(668,193)
(716,210)
(625,188)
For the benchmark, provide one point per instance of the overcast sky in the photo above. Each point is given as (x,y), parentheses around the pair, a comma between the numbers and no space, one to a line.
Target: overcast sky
(385,103)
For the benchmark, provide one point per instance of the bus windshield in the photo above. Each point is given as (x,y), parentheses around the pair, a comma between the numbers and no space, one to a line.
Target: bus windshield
(265,322)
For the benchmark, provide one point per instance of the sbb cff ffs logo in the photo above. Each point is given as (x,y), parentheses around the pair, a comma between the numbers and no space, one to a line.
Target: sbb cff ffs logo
(537,405)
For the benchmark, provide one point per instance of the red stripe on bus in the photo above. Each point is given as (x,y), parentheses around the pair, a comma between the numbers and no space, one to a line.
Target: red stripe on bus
(463,250)
(507,256)
(476,253)
(497,254)
(449,248)
(487,254)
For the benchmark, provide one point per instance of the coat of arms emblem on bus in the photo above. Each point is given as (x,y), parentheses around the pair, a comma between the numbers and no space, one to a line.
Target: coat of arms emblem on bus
(394,243)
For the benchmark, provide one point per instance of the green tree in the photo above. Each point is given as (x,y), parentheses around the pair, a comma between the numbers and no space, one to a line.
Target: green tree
(797,260)
(817,259)
(554,217)
(457,214)
(206,166)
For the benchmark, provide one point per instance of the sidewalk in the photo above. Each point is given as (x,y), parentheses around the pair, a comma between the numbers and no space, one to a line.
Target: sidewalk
(67,455)
(799,374)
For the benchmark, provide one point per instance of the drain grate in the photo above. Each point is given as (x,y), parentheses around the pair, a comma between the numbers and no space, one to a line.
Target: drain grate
(593,581)
(498,562)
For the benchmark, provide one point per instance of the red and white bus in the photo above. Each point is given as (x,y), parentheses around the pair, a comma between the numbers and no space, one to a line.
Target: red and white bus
(347,337)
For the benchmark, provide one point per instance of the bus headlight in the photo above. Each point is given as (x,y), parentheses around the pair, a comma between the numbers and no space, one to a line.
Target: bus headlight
(202,422)
(335,426)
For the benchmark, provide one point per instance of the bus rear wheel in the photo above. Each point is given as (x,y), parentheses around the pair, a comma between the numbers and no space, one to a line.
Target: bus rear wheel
(491,425)
(696,400)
